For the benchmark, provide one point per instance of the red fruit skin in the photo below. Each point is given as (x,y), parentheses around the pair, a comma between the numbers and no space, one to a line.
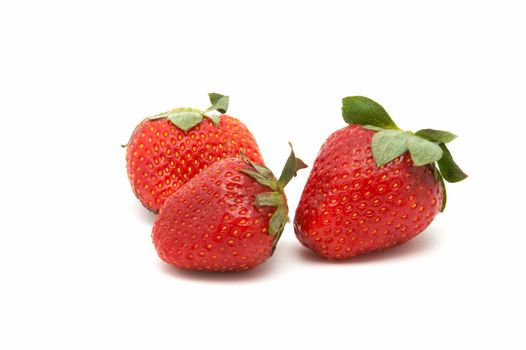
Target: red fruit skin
(212,223)
(350,206)
(160,157)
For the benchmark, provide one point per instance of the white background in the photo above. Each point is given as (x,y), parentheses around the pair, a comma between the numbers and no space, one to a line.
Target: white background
(78,270)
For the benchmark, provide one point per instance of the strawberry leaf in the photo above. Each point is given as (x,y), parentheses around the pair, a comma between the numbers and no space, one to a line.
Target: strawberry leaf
(364,111)
(263,170)
(373,128)
(261,179)
(219,102)
(448,168)
(423,151)
(389,144)
(159,116)
(278,220)
(269,199)
(214,97)
(275,198)
(436,135)
(444,193)
(291,168)
(276,240)
(185,120)
(213,117)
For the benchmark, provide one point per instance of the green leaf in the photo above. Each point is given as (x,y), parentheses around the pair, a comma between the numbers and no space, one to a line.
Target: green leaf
(300,164)
(159,116)
(423,151)
(448,168)
(444,193)
(439,136)
(291,168)
(370,127)
(269,199)
(185,120)
(278,220)
(276,240)
(213,117)
(364,111)
(261,179)
(214,97)
(389,144)
(263,170)
(219,102)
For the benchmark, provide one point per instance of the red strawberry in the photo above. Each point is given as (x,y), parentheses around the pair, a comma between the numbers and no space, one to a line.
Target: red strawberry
(167,150)
(373,186)
(227,218)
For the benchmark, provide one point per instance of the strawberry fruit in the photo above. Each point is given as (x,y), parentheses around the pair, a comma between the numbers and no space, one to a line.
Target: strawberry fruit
(228,218)
(167,150)
(373,186)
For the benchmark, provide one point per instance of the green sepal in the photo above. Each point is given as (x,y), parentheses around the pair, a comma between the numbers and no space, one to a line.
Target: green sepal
(185,120)
(448,168)
(278,220)
(219,102)
(291,168)
(263,170)
(219,105)
(275,198)
(444,192)
(269,199)
(364,111)
(214,118)
(426,146)
(159,116)
(433,135)
(261,179)
(371,127)
(423,151)
(276,240)
(388,145)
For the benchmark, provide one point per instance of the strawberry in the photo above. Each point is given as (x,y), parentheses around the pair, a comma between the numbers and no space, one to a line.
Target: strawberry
(373,186)
(167,150)
(228,218)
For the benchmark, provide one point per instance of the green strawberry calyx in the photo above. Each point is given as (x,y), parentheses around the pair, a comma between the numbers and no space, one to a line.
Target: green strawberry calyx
(276,196)
(186,118)
(426,146)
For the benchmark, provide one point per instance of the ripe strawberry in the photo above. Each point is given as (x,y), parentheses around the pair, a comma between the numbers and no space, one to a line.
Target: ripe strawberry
(227,218)
(167,150)
(373,186)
